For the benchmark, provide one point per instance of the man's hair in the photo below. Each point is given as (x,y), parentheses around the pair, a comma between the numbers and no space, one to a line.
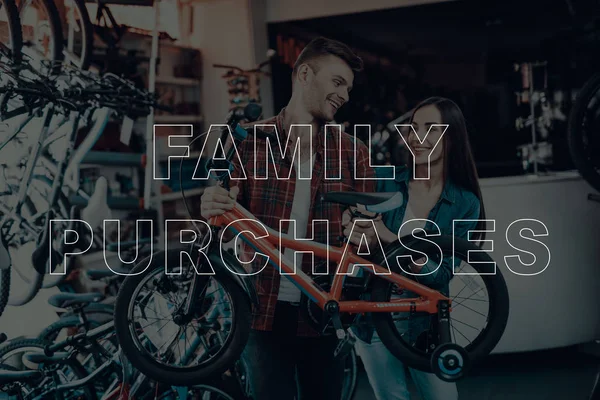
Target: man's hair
(321,47)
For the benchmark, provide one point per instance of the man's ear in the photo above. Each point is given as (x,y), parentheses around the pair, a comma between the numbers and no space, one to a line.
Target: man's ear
(305,74)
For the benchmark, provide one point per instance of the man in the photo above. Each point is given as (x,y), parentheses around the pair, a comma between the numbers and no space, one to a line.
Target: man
(281,343)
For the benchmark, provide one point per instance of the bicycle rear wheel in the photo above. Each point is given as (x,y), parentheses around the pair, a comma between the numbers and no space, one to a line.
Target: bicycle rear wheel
(11,38)
(583,132)
(413,337)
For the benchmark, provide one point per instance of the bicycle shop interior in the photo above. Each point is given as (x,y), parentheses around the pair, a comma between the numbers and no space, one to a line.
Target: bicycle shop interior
(515,69)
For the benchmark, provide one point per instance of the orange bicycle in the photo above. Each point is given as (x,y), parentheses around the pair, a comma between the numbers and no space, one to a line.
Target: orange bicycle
(180,323)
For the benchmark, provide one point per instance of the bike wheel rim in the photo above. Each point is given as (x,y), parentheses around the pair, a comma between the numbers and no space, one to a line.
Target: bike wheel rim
(142,347)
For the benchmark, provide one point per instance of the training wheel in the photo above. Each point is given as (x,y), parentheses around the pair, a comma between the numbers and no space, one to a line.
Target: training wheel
(449,362)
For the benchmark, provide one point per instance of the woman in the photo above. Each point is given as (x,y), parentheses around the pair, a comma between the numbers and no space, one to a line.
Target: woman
(447,190)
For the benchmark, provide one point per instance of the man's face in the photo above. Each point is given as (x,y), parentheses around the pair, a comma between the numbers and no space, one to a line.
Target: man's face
(329,89)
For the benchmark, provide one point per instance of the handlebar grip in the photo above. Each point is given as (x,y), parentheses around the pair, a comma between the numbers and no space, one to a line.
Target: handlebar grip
(47,351)
(3,337)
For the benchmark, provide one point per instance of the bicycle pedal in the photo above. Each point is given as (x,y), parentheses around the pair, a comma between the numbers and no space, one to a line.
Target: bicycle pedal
(344,346)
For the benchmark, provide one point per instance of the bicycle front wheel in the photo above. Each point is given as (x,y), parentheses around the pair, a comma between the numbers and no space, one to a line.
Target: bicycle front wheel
(42,33)
(11,38)
(162,342)
(78,34)
(479,304)
(583,132)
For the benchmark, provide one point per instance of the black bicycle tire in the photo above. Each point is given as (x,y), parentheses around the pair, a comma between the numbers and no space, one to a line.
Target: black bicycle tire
(172,375)
(350,386)
(55,29)
(40,344)
(4,288)
(88,35)
(584,165)
(498,308)
(14,28)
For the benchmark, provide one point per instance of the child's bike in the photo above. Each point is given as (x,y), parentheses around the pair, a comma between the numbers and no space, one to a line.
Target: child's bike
(190,323)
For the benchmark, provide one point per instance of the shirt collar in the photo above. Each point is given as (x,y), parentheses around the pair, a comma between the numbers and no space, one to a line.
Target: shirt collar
(404,174)
(282,132)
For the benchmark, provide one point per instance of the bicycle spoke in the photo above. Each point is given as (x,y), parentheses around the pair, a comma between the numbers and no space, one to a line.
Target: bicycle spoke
(464,323)
(475,311)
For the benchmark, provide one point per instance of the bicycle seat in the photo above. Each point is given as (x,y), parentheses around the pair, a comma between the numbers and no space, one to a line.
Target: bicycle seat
(97,274)
(36,357)
(15,376)
(379,202)
(64,300)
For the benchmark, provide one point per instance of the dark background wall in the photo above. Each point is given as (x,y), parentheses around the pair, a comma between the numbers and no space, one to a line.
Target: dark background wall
(465,50)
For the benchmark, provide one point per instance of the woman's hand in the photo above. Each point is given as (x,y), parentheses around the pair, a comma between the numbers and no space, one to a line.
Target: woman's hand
(371,230)
(415,268)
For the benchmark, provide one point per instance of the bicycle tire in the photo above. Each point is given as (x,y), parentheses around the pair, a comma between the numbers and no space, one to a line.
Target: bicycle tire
(14,29)
(576,137)
(56,54)
(83,61)
(230,352)
(498,305)
(4,288)
(350,376)
(37,345)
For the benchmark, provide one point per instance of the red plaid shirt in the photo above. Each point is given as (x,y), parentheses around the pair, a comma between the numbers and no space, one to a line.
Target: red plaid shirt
(270,200)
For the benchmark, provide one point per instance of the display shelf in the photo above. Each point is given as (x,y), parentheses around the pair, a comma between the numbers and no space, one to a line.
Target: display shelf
(114,203)
(178,196)
(173,80)
(113,158)
(177,119)
(194,155)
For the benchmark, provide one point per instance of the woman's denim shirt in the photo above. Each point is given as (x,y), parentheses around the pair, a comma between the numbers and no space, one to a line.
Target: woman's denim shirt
(455,203)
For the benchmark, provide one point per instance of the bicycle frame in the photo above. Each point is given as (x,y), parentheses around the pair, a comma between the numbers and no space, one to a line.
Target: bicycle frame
(426,302)
(67,171)
(122,391)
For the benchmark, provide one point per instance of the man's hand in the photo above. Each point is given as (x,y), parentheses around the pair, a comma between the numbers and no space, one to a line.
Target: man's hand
(361,227)
(216,201)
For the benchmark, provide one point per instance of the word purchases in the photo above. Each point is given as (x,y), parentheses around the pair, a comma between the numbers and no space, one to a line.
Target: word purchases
(535,248)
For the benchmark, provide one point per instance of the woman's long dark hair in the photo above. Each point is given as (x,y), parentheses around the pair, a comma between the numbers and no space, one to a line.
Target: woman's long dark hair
(459,164)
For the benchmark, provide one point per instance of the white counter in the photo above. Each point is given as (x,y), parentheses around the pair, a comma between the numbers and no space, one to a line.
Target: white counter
(560,306)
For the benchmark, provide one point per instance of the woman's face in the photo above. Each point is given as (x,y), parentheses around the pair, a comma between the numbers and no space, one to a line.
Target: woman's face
(423,120)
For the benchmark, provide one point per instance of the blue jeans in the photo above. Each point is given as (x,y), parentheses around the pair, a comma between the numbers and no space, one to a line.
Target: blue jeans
(281,364)
(387,375)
